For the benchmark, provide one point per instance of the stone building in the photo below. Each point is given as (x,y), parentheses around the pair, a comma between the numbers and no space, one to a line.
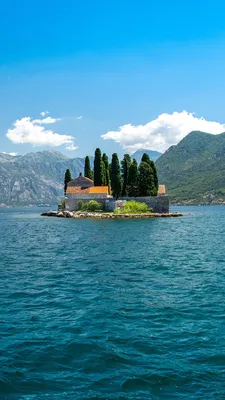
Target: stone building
(83,188)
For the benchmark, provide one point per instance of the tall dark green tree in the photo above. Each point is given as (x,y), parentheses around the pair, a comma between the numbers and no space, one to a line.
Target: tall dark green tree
(110,172)
(106,163)
(99,169)
(116,180)
(145,158)
(126,162)
(67,179)
(87,168)
(132,182)
(104,179)
(145,179)
(155,178)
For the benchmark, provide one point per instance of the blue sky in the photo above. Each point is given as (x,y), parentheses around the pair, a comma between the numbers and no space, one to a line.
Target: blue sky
(131,64)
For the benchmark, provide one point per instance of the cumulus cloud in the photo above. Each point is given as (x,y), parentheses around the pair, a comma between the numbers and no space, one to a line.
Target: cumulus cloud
(10,154)
(26,130)
(161,133)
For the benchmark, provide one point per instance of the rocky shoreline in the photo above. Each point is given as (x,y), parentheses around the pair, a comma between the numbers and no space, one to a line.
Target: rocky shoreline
(96,215)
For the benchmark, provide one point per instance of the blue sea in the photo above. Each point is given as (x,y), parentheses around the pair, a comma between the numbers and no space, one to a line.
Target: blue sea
(112,309)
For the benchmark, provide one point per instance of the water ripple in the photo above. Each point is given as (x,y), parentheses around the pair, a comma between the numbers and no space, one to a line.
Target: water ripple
(112,309)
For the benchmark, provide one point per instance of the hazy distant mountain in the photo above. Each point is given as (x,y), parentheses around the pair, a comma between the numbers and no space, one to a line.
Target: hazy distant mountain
(6,157)
(194,169)
(36,177)
(154,155)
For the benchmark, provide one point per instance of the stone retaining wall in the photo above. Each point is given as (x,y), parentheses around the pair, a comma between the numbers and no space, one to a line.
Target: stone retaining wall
(159,204)
(72,201)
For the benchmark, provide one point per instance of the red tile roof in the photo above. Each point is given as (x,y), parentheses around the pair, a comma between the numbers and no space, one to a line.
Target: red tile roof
(76,190)
(89,190)
(99,189)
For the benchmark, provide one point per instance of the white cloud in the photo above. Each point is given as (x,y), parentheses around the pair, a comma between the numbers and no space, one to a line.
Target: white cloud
(47,120)
(43,113)
(30,131)
(80,117)
(10,154)
(71,147)
(161,133)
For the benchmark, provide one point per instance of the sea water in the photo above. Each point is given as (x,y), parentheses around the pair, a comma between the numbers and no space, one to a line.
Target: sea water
(112,309)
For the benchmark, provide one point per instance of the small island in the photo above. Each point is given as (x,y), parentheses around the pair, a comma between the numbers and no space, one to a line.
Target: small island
(124,210)
(111,191)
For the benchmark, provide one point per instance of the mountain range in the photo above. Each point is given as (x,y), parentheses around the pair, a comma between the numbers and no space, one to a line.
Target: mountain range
(36,177)
(154,155)
(193,172)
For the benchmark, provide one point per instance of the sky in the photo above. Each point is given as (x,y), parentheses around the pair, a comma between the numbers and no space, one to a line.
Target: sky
(117,74)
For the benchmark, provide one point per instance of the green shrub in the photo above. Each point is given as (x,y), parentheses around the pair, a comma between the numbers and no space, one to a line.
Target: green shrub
(80,204)
(133,207)
(92,205)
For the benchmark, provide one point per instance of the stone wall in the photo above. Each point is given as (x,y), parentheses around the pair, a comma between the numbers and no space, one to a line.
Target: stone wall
(72,200)
(159,204)
(111,205)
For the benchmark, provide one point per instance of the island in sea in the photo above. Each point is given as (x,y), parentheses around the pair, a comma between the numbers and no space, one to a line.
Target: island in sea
(114,190)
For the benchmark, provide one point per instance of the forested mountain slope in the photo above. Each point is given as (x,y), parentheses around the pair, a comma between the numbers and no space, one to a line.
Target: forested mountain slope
(194,169)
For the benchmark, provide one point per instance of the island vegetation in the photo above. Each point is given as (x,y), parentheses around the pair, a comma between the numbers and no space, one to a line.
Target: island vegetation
(129,207)
(125,178)
(133,207)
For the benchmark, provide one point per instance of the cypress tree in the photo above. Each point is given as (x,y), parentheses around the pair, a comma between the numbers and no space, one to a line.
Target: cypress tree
(155,178)
(146,179)
(126,162)
(132,182)
(110,171)
(145,158)
(106,163)
(99,176)
(104,179)
(87,168)
(67,179)
(116,181)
